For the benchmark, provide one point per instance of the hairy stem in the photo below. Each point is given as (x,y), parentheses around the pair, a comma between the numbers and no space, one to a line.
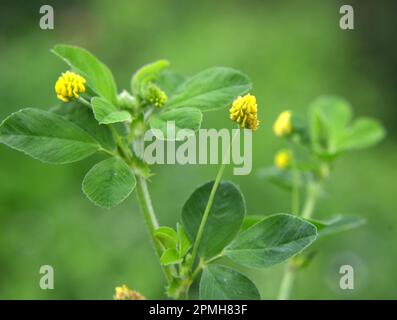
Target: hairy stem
(149,216)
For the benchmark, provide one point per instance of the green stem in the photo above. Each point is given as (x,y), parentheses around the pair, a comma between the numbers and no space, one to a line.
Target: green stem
(197,270)
(210,201)
(112,154)
(286,283)
(201,264)
(288,279)
(149,216)
(207,211)
(84,101)
(289,273)
(295,203)
(295,186)
(218,256)
(311,198)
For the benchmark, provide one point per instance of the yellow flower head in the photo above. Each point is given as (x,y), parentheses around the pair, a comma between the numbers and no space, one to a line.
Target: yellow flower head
(282,160)
(155,95)
(283,126)
(244,112)
(124,293)
(69,85)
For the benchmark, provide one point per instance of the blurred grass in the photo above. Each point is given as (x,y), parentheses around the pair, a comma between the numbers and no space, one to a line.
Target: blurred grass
(293,52)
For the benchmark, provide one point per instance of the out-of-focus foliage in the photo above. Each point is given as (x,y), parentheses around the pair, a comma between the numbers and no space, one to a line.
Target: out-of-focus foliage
(292,52)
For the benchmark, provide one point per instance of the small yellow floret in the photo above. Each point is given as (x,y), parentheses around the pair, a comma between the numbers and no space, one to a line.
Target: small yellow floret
(155,95)
(124,293)
(244,112)
(282,160)
(283,125)
(69,85)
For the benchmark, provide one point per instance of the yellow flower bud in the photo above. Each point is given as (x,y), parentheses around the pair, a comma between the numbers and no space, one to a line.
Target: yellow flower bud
(283,126)
(69,85)
(124,293)
(282,160)
(155,95)
(244,112)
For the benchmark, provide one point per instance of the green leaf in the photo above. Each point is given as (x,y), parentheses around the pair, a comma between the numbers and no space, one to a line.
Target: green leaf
(147,73)
(168,81)
(167,236)
(330,130)
(222,283)
(280,178)
(211,89)
(107,113)
(184,118)
(84,118)
(46,136)
(224,220)
(271,241)
(337,224)
(329,118)
(98,76)
(184,243)
(109,182)
(283,178)
(364,133)
(170,256)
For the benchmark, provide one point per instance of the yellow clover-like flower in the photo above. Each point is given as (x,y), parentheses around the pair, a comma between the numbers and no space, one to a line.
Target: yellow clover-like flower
(124,293)
(244,112)
(282,160)
(69,86)
(283,125)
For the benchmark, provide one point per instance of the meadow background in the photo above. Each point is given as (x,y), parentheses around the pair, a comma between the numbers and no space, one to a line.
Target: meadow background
(292,51)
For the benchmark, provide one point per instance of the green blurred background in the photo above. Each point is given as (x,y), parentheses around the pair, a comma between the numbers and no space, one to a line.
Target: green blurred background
(292,51)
